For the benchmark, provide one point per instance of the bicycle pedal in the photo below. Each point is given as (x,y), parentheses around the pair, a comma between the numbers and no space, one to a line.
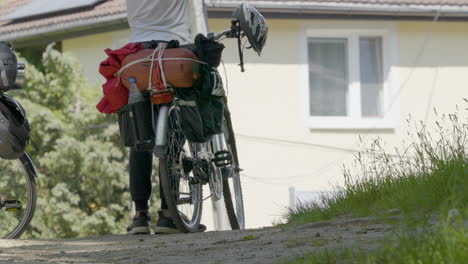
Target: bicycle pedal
(222,159)
(184,201)
(12,205)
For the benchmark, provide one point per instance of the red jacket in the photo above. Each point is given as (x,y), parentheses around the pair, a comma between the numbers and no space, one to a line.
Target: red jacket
(115,94)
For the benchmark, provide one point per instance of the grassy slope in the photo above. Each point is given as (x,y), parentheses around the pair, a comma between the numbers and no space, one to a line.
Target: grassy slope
(431,177)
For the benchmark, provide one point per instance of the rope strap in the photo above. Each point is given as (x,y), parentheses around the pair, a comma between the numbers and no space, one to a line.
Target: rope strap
(161,48)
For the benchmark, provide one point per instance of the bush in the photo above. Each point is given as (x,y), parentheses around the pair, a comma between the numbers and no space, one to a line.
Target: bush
(80,160)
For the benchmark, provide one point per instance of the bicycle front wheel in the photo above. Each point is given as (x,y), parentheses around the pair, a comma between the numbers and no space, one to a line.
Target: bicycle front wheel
(17,196)
(181,188)
(232,189)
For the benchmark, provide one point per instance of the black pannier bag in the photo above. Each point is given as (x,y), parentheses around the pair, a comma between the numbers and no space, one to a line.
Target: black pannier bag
(202,107)
(14,128)
(136,127)
(210,100)
(8,67)
(208,50)
(191,121)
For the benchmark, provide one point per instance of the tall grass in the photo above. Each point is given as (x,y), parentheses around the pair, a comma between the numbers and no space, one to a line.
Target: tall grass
(429,174)
(428,177)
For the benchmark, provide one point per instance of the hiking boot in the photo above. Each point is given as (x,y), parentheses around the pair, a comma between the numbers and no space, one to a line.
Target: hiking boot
(140,224)
(166,225)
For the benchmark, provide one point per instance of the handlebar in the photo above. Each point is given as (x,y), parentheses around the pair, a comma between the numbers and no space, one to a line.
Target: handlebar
(234,32)
(217,36)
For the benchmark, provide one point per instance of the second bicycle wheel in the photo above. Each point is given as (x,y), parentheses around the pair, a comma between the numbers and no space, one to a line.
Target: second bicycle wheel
(232,189)
(17,196)
(181,189)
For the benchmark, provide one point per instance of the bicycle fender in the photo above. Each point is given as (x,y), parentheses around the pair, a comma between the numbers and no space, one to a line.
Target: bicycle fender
(160,147)
(29,164)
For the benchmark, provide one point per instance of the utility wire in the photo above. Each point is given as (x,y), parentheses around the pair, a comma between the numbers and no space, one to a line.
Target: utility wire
(302,144)
(431,95)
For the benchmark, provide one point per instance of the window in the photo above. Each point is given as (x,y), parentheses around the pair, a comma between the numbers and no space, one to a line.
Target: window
(351,81)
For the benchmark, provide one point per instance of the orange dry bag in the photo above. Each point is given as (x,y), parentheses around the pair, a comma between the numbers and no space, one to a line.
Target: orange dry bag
(178,67)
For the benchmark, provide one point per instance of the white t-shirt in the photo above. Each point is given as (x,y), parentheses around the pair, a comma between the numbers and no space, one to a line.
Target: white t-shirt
(159,20)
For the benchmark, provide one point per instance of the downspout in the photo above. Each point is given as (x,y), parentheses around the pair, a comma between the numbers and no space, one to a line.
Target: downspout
(199,18)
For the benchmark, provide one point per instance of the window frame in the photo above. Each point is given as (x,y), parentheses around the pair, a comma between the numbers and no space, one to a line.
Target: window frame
(352,31)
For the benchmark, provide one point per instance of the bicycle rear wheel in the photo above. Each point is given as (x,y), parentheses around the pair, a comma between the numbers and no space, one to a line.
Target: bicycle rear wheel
(232,189)
(181,188)
(17,196)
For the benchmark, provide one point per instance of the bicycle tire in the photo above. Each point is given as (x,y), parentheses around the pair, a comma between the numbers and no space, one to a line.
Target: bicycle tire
(235,211)
(30,175)
(171,176)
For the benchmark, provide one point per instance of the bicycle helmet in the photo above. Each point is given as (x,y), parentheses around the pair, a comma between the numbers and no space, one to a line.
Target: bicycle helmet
(14,128)
(253,24)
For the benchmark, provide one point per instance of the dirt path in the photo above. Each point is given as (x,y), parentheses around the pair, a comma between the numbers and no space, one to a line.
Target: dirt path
(266,245)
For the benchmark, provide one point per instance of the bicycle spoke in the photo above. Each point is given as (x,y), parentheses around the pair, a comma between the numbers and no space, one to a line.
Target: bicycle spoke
(17,198)
(184,191)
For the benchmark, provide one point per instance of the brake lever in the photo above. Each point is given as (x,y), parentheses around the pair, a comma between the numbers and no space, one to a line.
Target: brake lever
(235,28)
(241,54)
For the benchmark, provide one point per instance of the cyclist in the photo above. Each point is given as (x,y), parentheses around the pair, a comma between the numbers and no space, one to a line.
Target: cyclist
(150,20)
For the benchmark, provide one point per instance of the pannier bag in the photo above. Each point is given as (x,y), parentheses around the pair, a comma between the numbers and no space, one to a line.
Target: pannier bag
(14,128)
(202,108)
(191,120)
(208,50)
(135,124)
(210,101)
(8,66)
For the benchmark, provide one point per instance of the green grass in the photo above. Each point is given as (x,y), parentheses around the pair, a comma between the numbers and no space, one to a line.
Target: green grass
(430,175)
(426,180)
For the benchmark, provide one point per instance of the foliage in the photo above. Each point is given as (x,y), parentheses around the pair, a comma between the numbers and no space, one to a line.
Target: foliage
(81,162)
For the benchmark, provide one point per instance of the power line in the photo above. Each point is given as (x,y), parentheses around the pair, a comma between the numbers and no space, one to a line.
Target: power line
(431,95)
(308,144)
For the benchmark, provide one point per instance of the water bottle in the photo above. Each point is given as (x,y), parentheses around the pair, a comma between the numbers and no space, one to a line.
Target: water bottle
(134,95)
(140,117)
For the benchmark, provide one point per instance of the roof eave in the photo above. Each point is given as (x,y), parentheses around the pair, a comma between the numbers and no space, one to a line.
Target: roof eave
(346,8)
(57,32)
(309,10)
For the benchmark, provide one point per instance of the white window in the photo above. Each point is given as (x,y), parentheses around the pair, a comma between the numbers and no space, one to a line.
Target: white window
(352,82)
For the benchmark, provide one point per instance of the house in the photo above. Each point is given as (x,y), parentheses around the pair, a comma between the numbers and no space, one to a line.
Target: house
(334,75)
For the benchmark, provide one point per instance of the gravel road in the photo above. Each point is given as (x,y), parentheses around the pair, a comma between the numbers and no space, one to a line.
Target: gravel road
(265,245)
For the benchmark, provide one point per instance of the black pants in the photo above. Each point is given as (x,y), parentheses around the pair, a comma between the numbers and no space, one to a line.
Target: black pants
(141,164)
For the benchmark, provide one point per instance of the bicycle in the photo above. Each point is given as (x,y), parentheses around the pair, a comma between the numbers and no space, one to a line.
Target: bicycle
(17,183)
(185,167)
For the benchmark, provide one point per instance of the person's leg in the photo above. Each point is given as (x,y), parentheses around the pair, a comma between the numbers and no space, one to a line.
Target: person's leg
(141,163)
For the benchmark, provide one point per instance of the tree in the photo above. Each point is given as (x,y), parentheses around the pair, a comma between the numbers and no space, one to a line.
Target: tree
(81,162)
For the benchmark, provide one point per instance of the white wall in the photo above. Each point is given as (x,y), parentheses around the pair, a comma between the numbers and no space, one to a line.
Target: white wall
(277,150)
